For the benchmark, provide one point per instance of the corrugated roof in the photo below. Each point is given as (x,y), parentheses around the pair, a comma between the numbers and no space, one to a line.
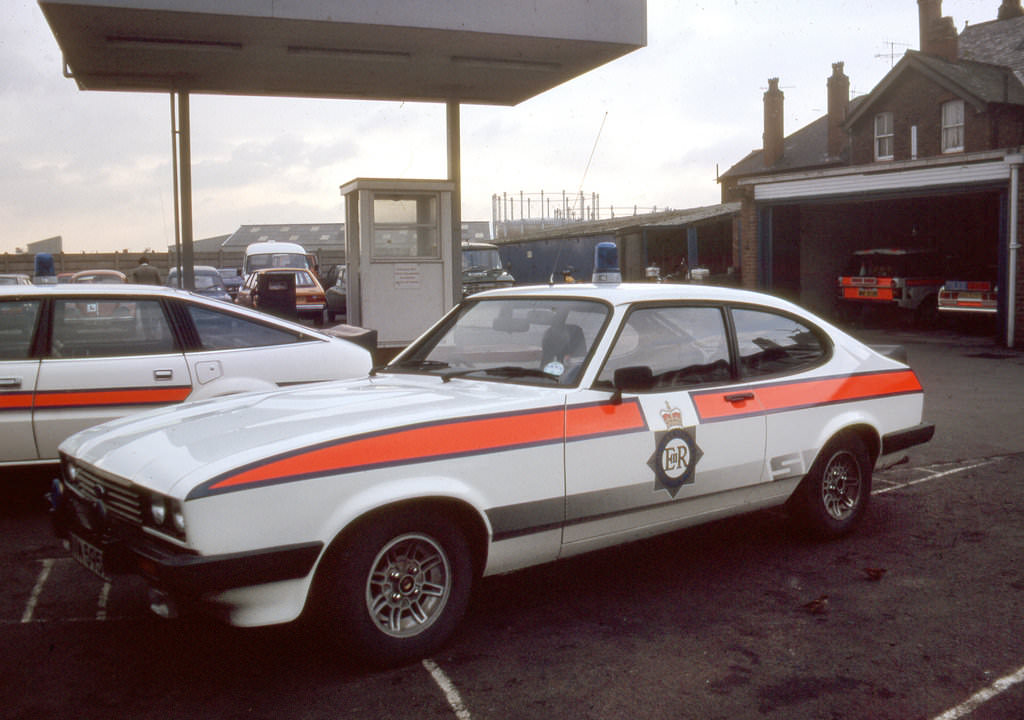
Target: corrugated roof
(666,218)
(311,236)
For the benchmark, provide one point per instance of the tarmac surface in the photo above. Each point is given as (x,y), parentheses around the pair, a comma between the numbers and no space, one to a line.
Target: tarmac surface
(973,389)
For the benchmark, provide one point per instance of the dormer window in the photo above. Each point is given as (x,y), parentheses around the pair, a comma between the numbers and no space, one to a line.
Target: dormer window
(953,126)
(883,136)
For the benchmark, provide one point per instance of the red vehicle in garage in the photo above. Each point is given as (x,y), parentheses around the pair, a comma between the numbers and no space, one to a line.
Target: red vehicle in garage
(904,279)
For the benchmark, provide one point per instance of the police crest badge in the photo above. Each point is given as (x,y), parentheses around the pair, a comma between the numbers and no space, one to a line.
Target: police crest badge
(676,453)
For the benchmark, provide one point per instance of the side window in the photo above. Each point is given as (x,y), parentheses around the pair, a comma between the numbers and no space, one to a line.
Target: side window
(683,346)
(223,331)
(17,323)
(884,136)
(771,343)
(91,327)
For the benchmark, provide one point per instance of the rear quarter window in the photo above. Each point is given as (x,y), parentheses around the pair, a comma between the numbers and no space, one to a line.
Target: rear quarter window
(224,331)
(771,343)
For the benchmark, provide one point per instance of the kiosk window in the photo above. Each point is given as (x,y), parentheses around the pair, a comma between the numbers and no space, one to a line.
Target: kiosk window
(406,225)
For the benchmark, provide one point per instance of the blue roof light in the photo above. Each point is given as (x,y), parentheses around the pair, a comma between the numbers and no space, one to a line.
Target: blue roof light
(606,263)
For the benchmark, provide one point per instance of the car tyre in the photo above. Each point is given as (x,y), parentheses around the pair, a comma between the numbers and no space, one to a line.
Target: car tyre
(396,588)
(834,496)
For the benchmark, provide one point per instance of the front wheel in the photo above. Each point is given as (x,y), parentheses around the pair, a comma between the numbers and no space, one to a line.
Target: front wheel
(397,588)
(834,496)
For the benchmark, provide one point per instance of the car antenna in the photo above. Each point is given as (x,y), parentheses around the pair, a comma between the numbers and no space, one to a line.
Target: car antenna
(554,265)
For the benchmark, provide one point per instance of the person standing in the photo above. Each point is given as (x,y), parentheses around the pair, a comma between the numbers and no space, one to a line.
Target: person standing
(145,274)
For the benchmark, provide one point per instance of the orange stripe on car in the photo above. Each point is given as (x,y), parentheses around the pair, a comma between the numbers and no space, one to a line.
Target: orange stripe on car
(436,441)
(722,405)
(16,401)
(96,398)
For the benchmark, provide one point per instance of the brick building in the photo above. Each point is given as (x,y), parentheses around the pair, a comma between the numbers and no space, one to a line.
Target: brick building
(930,158)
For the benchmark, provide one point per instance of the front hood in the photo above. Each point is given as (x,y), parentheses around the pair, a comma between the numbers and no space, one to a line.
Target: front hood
(176,450)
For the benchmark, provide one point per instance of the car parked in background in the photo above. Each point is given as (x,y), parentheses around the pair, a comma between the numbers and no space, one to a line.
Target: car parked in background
(336,292)
(99,277)
(973,291)
(528,425)
(310,300)
(207,280)
(15,279)
(232,279)
(901,279)
(72,356)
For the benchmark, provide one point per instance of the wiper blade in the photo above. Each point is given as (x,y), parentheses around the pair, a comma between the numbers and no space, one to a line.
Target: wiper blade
(507,371)
(417,365)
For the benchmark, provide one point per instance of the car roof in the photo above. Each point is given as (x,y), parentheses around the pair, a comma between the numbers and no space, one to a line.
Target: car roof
(624,293)
(127,290)
(895,251)
(197,268)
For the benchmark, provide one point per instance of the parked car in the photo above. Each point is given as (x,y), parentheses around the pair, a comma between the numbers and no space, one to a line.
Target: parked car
(207,280)
(529,424)
(72,356)
(310,300)
(232,279)
(906,280)
(15,279)
(337,292)
(99,277)
(974,292)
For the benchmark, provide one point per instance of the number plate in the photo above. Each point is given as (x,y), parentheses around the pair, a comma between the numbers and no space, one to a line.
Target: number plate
(867,292)
(88,555)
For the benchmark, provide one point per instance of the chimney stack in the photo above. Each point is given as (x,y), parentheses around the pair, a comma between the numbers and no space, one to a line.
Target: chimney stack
(838,105)
(1010,9)
(773,128)
(938,34)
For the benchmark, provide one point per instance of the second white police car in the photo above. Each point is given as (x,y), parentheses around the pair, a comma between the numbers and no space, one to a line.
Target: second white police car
(527,425)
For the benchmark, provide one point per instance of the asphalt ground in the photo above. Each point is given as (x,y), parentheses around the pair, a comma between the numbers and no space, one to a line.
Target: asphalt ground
(973,385)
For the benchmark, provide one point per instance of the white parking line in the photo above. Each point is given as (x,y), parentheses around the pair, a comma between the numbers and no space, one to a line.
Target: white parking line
(33,598)
(450,693)
(934,476)
(1002,684)
(983,696)
(101,612)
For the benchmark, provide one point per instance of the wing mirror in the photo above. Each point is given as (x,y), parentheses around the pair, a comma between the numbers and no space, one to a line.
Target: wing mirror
(634,378)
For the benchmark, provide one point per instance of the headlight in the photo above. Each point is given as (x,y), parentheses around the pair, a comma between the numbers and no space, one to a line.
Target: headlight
(158,510)
(166,515)
(71,473)
(178,519)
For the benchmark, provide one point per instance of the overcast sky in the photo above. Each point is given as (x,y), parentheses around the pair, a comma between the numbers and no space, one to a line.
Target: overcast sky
(95,167)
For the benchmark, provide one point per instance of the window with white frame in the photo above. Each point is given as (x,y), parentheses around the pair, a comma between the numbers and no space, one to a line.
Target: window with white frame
(953,126)
(884,136)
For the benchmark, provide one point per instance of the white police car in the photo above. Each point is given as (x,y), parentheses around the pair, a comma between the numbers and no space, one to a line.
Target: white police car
(527,425)
(74,355)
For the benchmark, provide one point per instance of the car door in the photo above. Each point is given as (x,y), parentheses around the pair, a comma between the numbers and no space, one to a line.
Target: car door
(18,370)
(676,463)
(228,352)
(108,357)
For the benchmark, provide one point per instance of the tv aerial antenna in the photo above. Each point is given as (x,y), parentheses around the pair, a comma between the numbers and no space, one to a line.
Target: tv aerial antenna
(893,53)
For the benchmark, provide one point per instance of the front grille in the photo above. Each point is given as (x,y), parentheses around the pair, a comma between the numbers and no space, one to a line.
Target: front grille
(121,500)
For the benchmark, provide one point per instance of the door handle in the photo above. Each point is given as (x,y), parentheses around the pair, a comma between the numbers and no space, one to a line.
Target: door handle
(739,397)
(163,374)
(10,382)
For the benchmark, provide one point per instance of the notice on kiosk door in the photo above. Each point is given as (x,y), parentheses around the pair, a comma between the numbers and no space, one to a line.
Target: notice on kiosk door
(407,276)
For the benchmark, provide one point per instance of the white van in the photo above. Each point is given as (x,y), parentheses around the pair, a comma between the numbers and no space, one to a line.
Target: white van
(260,255)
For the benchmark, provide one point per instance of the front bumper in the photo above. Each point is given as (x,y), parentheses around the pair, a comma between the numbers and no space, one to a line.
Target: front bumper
(126,549)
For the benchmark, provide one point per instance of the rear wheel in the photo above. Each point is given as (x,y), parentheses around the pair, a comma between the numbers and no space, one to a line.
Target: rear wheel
(397,588)
(834,496)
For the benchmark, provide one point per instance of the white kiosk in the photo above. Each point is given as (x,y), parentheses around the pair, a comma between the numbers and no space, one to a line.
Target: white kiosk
(400,256)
